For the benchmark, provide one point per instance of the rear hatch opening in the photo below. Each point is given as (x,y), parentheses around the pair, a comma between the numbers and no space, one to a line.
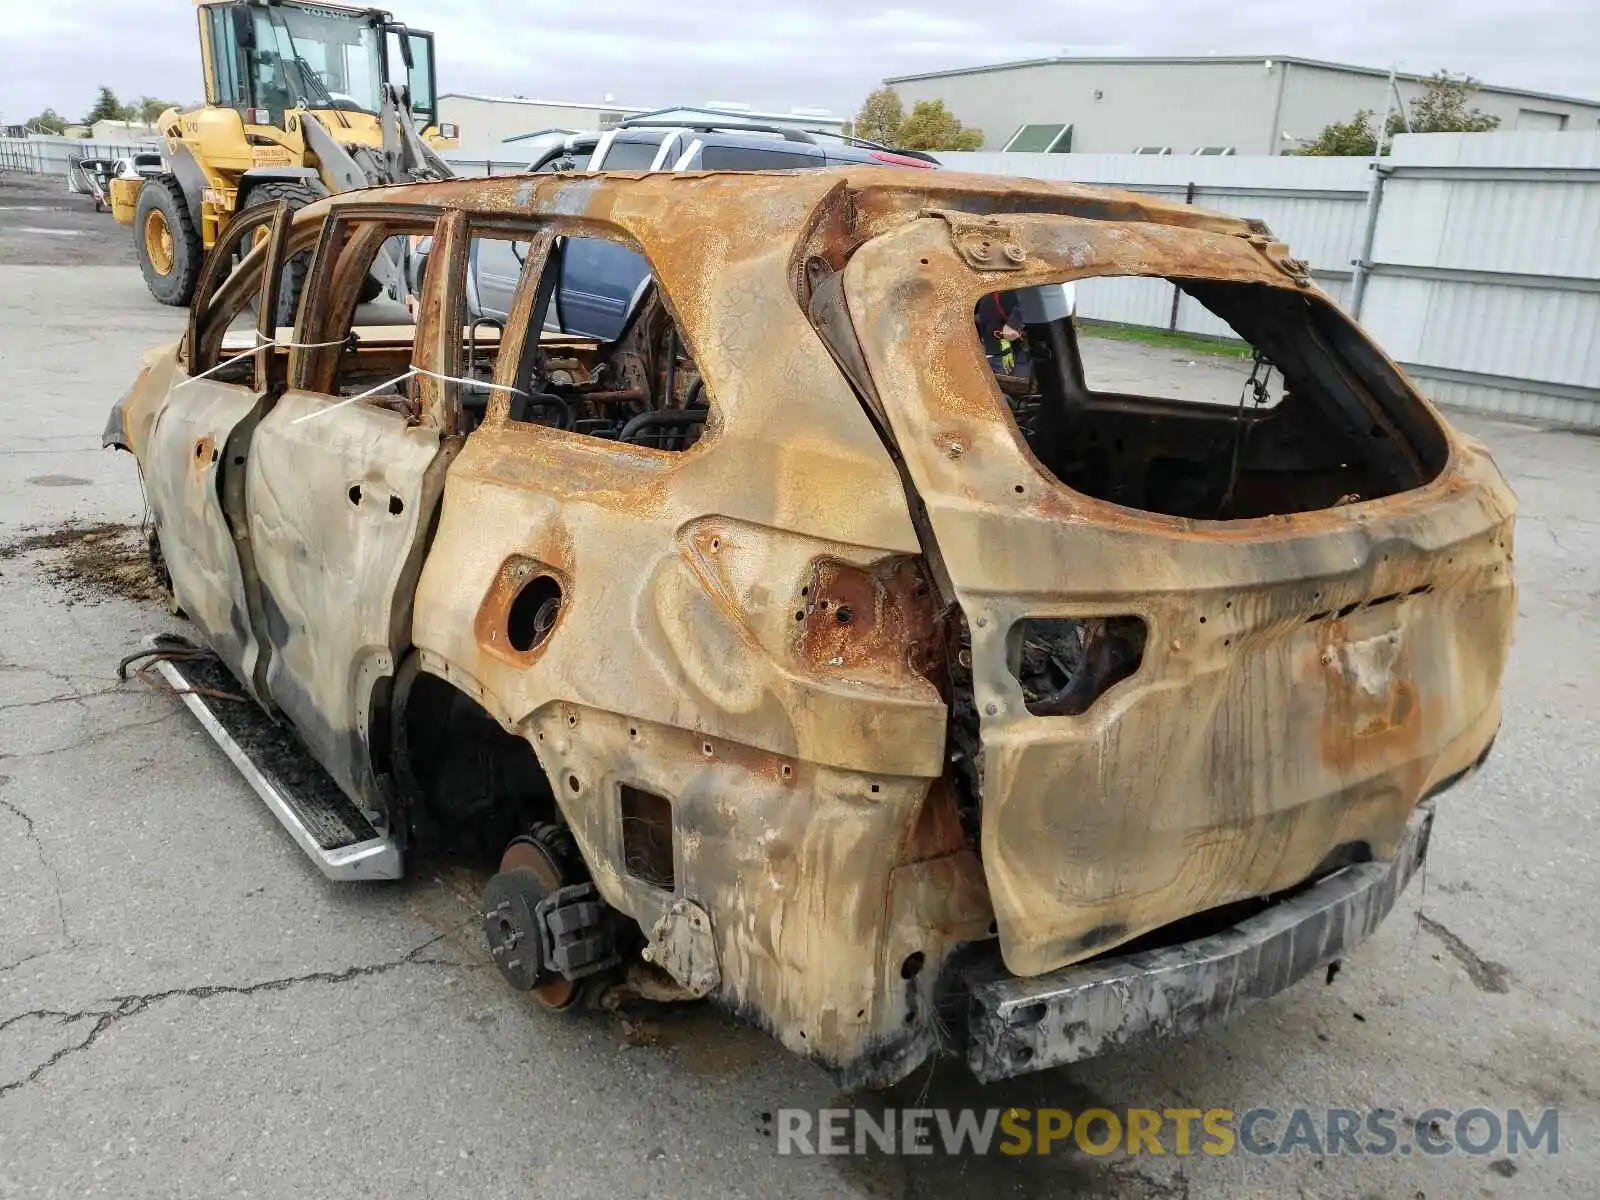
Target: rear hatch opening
(1308,415)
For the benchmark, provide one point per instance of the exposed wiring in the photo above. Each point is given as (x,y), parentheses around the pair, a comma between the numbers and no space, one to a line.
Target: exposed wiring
(1255,386)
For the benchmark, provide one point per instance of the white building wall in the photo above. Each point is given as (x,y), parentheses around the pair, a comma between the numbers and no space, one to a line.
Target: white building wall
(1317,96)
(487,121)
(1114,107)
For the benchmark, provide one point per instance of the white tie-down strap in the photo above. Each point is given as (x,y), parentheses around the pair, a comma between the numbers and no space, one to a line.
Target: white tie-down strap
(266,344)
(409,372)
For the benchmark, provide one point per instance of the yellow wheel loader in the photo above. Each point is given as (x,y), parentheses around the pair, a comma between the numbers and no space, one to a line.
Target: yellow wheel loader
(302,100)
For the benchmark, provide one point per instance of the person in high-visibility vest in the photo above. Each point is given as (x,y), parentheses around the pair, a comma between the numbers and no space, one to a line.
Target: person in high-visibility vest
(1000,327)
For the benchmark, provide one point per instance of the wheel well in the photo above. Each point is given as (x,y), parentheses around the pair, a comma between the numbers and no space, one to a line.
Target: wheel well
(467,786)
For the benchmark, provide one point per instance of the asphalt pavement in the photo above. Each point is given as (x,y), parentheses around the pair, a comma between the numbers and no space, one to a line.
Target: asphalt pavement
(188,1009)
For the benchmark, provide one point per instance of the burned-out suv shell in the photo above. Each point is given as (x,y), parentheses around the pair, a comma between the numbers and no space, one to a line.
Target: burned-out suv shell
(899,693)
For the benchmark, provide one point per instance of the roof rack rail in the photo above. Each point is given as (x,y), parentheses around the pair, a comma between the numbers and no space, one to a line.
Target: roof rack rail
(789,135)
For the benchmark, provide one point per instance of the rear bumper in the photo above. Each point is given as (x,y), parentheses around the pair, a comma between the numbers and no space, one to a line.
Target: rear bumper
(1020,1025)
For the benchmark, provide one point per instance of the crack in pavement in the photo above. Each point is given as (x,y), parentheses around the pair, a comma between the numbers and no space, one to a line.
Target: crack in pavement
(123,1007)
(70,697)
(1486,974)
(7,968)
(44,861)
(92,738)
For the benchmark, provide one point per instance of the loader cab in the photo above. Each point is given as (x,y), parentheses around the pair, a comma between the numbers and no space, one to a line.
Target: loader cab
(265,60)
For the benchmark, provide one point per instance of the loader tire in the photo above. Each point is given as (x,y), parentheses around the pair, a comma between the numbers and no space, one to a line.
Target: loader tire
(294,270)
(165,240)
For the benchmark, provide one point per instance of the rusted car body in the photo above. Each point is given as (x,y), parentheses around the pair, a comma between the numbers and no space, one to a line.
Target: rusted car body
(782,684)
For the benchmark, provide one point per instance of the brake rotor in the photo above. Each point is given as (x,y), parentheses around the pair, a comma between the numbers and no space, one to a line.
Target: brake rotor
(529,871)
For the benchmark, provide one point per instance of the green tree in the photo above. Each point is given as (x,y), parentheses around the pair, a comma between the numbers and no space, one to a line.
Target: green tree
(880,117)
(1353,137)
(49,121)
(931,126)
(148,108)
(1442,108)
(106,108)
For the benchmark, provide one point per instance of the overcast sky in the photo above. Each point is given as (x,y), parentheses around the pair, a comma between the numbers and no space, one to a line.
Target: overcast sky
(826,53)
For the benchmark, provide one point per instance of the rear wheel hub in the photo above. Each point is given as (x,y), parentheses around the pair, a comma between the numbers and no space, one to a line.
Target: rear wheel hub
(529,872)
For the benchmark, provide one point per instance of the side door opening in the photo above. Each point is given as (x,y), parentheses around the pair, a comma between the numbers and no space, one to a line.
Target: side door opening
(341,488)
(195,460)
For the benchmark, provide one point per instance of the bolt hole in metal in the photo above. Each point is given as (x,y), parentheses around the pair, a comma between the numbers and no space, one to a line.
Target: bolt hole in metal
(1029,1014)
(533,614)
(787,772)
(354,493)
(574,783)
(396,506)
(913,964)
(705,748)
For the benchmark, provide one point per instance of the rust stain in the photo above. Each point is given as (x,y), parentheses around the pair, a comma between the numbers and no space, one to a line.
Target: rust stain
(879,621)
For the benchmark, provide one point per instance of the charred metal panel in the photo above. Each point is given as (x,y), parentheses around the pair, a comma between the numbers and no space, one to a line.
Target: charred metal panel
(183,462)
(1079,1012)
(694,658)
(1278,710)
(338,507)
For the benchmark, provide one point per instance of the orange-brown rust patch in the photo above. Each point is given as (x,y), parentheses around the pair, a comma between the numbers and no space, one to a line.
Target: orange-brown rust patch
(877,620)
(492,624)
(1374,714)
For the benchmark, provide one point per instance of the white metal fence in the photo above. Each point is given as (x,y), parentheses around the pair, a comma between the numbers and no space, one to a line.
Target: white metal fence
(1480,254)
(1485,271)
(51,155)
(1314,204)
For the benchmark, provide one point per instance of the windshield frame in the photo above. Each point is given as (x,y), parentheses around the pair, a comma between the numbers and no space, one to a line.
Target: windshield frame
(302,84)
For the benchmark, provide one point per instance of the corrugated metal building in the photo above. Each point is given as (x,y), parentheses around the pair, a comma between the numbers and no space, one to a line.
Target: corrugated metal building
(1193,105)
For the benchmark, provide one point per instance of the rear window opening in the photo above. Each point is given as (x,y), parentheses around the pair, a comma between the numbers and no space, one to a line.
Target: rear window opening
(1308,416)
